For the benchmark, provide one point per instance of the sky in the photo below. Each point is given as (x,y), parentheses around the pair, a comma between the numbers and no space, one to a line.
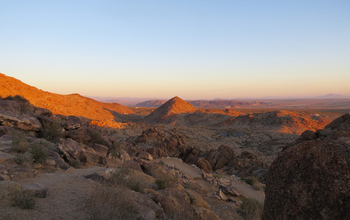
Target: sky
(191,49)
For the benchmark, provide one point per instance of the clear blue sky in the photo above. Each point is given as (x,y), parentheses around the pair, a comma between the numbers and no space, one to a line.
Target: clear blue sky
(192,49)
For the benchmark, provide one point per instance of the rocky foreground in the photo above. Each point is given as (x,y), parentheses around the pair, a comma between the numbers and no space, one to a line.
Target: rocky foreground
(190,164)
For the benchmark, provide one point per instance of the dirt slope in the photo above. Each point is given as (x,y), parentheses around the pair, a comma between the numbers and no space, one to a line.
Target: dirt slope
(73,104)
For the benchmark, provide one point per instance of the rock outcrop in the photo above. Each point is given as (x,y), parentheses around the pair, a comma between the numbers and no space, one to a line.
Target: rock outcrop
(310,180)
(169,143)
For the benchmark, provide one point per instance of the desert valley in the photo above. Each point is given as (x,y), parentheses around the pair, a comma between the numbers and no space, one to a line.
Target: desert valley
(73,157)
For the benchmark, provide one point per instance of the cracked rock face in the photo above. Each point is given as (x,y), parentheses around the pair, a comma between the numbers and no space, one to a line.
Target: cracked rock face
(311,180)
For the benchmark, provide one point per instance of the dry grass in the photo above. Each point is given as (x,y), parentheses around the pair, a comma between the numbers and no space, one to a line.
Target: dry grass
(251,209)
(106,202)
(20,145)
(128,179)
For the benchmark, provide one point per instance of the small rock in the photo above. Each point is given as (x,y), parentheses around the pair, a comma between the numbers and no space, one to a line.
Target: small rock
(144,155)
(35,190)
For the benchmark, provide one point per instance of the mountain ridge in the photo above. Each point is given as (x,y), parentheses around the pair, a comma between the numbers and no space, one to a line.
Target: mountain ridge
(72,104)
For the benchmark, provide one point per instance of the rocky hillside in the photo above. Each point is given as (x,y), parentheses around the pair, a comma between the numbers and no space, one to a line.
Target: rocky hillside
(310,180)
(49,161)
(73,104)
(279,121)
(172,107)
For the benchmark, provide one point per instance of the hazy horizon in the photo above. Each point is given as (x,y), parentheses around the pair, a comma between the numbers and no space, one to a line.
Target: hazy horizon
(194,50)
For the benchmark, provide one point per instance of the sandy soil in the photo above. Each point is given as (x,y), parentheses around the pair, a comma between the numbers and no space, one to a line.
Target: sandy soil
(67,191)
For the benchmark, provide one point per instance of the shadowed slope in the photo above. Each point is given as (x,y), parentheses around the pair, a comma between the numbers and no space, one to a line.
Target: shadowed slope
(172,107)
(73,104)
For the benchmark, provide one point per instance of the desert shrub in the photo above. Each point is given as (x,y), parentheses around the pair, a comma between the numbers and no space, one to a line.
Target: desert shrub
(251,209)
(20,145)
(23,158)
(24,201)
(166,181)
(115,150)
(96,137)
(39,154)
(124,178)
(52,132)
(75,163)
(250,180)
(107,202)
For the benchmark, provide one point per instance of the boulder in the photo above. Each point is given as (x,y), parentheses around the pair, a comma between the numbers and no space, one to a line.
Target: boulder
(156,152)
(10,106)
(72,123)
(100,149)
(94,158)
(81,135)
(6,142)
(191,155)
(310,180)
(42,111)
(204,165)
(4,174)
(178,203)
(222,195)
(58,161)
(220,157)
(5,156)
(21,121)
(7,130)
(71,150)
(144,155)
(35,190)
(130,164)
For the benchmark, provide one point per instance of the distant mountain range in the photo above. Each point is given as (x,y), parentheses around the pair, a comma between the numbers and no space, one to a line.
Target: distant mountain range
(215,103)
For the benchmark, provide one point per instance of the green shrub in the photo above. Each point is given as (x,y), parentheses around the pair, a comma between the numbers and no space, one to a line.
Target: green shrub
(20,145)
(96,137)
(251,209)
(52,132)
(39,154)
(24,201)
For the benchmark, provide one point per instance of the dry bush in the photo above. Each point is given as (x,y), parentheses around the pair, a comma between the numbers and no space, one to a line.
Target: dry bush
(115,150)
(166,181)
(251,209)
(24,201)
(20,145)
(127,178)
(106,202)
